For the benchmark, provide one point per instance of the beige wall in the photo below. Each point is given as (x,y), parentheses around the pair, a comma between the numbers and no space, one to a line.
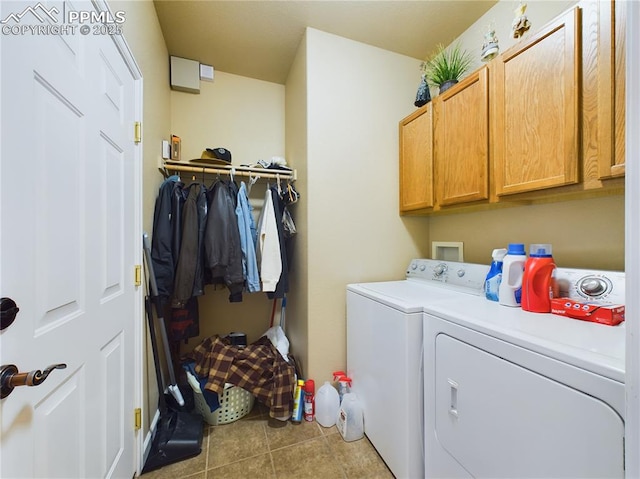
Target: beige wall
(584,234)
(244,115)
(297,327)
(356,95)
(143,34)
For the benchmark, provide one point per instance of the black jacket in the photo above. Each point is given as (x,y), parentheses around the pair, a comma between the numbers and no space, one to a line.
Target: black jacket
(222,250)
(189,277)
(165,241)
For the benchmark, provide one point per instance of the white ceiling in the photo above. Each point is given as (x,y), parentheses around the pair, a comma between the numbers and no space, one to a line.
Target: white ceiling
(259,39)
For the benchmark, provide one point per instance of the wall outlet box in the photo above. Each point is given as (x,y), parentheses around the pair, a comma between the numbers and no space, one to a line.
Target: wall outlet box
(447,250)
(206,72)
(185,75)
(166,150)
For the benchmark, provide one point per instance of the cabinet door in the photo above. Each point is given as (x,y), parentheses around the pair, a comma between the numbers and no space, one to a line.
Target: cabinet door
(611,88)
(461,129)
(416,160)
(536,118)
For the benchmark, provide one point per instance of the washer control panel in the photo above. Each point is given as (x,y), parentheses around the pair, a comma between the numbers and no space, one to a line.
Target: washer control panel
(463,275)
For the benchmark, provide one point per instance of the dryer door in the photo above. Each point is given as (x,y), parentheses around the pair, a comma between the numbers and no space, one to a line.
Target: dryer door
(498,419)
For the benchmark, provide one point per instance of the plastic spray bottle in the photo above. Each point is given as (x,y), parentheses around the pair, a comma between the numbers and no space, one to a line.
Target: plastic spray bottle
(494,276)
(309,400)
(343,383)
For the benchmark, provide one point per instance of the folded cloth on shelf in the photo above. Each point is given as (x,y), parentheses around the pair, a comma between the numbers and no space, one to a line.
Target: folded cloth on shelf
(258,368)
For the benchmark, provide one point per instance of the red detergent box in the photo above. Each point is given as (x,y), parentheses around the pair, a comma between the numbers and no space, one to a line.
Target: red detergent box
(610,314)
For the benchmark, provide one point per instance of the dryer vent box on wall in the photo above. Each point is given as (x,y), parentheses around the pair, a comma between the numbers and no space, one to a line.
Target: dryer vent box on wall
(185,75)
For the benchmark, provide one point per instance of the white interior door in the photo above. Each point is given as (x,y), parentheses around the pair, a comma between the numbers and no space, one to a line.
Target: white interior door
(70,238)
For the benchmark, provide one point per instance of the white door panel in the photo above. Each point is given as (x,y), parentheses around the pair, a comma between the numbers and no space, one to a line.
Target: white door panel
(70,238)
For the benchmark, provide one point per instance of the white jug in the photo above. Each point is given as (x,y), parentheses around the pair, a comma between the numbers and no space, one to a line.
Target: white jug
(327,404)
(350,420)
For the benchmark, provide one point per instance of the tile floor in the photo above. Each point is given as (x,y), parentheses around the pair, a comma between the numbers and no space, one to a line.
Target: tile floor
(248,448)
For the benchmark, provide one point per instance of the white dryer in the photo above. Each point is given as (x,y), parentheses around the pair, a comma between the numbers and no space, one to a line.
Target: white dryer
(384,354)
(510,393)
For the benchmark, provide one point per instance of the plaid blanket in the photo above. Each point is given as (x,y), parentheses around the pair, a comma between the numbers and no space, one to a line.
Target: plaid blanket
(258,368)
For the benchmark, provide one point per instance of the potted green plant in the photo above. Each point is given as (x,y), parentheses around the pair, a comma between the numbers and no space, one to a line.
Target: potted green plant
(446,66)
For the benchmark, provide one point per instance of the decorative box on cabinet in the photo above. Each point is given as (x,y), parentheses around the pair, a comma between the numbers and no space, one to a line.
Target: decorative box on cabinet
(416,161)
(535,120)
(461,133)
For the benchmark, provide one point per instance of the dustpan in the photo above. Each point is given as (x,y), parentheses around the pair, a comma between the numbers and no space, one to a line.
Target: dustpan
(179,433)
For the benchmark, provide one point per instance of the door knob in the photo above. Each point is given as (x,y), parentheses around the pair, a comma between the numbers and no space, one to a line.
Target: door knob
(8,312)
(11,378)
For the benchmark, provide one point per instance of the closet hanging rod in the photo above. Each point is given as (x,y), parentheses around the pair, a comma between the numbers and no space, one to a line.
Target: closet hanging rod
(247,171)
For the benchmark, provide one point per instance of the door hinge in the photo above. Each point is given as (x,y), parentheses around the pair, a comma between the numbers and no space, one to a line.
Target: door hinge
(137,413)
(137,275)
(137,132)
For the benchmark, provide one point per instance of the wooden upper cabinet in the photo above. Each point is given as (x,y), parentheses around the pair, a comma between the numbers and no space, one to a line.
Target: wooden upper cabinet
(416,160)
(611,88)
(461,134)
(535,120)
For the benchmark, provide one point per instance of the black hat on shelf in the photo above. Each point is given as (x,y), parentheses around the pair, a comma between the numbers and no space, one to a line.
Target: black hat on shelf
(218,153)
(216,156)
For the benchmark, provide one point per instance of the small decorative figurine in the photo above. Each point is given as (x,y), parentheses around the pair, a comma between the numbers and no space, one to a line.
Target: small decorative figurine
(423,96)
(490,46)
(520,23)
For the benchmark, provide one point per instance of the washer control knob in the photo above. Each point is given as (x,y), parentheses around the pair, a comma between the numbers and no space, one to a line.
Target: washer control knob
(414,266)
(593,286)
(423,267)
(460,273)
(440,269)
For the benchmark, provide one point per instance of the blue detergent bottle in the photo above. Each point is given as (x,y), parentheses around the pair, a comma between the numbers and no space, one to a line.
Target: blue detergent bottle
(494,276)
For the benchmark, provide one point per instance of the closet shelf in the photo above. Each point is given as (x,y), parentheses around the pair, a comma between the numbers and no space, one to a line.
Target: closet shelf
(248,171)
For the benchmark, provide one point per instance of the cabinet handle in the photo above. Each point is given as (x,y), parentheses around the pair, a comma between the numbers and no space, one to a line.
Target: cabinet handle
(453,403)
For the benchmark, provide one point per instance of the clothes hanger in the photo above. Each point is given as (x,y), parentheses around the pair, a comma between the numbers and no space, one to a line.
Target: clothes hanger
(252,181)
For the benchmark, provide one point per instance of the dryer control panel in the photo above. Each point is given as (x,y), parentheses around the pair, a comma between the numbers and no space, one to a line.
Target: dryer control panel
(606,287)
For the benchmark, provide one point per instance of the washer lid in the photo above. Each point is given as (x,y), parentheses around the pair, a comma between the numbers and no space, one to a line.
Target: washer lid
(595,347)
(407,295)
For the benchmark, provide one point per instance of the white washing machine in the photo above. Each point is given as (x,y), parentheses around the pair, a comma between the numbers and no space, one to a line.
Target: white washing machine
(515,394)
(384,354)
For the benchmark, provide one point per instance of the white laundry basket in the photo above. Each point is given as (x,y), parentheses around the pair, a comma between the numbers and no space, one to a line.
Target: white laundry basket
(235,403)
